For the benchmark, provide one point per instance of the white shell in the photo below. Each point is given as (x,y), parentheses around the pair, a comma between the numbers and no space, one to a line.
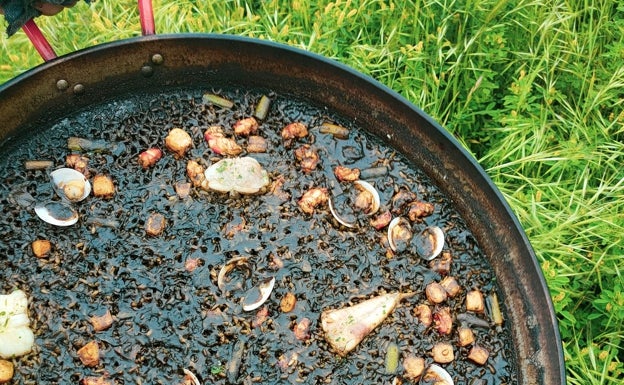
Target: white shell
(191,376)
(244,175)
(229,266)
(361,185)
(63,177)
(398,221)
(443,377)
(57,213)
(430,242)
(256,296)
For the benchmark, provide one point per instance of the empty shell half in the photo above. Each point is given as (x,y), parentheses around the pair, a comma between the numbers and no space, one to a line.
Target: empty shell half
(257,295)
(57,213)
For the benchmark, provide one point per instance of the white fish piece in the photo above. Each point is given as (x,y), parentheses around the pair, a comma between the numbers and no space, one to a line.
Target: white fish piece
(345,328)
(244,175)
(15,333)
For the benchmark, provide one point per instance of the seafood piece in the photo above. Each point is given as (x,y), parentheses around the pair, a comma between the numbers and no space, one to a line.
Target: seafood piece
(302,329)
(256,144)
(15,334)
(149,157)
(261,316)
(190,377)
(91,380)
(103,186)
(312,198)
(443,353)
(435,375)
(183,189)
(435,293)
(345,328)
(293,131)
(423,312)
(178,141)
(417,210)
(382,220)
(41,247)
(401,199)
(308,158)
(451,286)
(346,174)
(443,321)
(344,207)
(195,172)
(288,302)
(244,175)
(6,371)
(465,336)
(399,234)
(475,302)
(442,265)
(89,354)
(413,367)
(70,184)
(429,242)
(257,295)
(219,143)
(102,322)
(191,264)
(246,127)
(155,224)
(478,355)
(229,266)
(79,163)
(57,213)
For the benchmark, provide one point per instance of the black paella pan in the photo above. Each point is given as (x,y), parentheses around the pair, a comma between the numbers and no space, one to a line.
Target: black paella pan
(150,72)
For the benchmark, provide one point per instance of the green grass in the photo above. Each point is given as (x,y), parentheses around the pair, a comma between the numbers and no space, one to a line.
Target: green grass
(533,88)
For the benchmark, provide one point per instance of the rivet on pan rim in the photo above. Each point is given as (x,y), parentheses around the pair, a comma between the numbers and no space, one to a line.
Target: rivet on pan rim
(62,84)
(157,59)
(78,89)
(147,71)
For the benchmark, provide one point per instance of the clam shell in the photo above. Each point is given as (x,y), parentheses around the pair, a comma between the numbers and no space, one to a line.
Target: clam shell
(399,234)
(70,184)
(257,295)
(229,266)
(57,213)
(350,219)
(429,242)
(435,374)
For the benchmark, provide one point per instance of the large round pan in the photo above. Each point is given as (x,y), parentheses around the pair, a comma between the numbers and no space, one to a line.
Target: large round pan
(104,73)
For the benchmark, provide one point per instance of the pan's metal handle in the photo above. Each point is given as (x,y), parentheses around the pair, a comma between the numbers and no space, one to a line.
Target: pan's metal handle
(146,13)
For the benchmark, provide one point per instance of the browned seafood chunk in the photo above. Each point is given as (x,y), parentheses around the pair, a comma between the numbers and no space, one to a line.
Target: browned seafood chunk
(435,293)
(276,188)
(346,174)
(103,186)
(288,302)
(451,286)
(400,199)
(219,143)
(102,322)
(312,198)
(443,353)
(382,220)
(256,144)
(182,189)
(41,247)
(261,316)
(302,329)
(79,163)
(308,158)
(423,312)
(478,355)
(465,336)
(195,172)
(475,301)
(413,367)
(90,354)
(155,224)
(418,209)
(178,141)
(149,157)
(293,131)
(95,381)
(442,265)
(6,371)
(191,264)
(245,127)
(443,321)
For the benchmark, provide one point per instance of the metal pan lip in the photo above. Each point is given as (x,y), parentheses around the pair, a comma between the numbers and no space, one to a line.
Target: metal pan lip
(546,339)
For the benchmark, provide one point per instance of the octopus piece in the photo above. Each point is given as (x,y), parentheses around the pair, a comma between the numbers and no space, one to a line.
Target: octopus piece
(90,354)
(302,329)
(155,224)
(424,314)
(382,220)
(261,316)
(91,380)
(220,144)
(435,293)
(245,127)
(256,144)
(178,141)
(443,321)
(442,265)
(478,355)
(6,371)
(312,198)
(401,199)
(103,186)
(417,210)
(79,163)
(195,172)
(288,302)
(346,174)
(308,158)
(451,286)
(293,131)
(149,157)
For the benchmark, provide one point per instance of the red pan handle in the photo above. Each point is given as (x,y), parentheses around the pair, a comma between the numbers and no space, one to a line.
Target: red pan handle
(146,13)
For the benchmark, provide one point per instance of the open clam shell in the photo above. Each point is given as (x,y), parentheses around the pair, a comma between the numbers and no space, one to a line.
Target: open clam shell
(237,262)
(70,184)
(257,295)
(57,213)
(435,374)
(429,242)
(399,234)
(345,207)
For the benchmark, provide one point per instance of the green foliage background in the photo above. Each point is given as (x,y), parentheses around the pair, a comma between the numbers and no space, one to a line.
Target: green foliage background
(533,88)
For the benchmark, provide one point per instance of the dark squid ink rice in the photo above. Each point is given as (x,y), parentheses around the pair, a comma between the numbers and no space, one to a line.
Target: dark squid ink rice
(171,312)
